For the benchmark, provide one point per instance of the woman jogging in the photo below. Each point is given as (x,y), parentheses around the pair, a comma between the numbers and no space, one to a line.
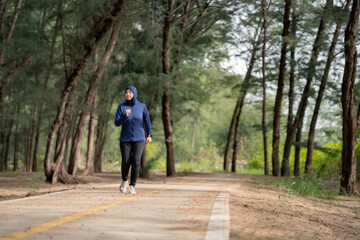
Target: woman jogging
(130,115)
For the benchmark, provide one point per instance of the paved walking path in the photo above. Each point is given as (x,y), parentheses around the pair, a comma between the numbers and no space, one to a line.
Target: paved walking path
(183,208)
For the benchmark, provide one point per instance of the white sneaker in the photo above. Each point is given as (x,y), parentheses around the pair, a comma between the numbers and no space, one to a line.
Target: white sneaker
(132,189)
(123,186)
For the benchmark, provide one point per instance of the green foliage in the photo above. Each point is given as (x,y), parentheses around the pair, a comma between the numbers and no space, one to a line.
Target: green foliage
(314,187)
(34,182)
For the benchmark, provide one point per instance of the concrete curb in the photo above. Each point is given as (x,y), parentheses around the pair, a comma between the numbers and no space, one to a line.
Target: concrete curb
(219,223)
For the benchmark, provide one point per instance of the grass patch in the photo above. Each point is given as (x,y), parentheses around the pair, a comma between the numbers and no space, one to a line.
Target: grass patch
(33,184)
(251,171)
(314,187)
(12,174)
(357,212)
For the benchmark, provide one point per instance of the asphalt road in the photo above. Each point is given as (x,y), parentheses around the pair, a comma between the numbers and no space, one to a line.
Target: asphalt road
(193,207)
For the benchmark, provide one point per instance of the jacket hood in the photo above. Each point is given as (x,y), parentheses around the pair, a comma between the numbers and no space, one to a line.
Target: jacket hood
(133,89)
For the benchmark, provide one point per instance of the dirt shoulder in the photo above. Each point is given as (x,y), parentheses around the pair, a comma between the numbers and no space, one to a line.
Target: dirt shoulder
(25,184)
(257,210)
(261,211)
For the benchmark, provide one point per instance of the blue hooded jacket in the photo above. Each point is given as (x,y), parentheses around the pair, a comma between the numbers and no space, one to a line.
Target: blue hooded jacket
(132,127)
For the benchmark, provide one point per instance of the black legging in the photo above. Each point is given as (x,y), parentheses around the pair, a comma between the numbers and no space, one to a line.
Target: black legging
(131,156)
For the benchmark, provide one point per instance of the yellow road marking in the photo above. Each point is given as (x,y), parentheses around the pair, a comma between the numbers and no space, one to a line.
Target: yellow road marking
(61,221)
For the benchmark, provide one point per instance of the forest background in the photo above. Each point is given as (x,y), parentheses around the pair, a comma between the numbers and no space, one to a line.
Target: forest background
(210,72)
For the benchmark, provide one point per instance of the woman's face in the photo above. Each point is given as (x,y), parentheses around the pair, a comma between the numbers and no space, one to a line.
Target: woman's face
(129,94)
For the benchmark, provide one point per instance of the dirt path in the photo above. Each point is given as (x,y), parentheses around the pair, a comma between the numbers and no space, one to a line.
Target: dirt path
(181,209)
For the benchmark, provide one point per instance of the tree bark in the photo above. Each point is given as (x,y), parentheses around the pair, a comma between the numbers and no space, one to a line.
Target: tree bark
(236,137)
(29,141)
(285,168)
(230,135)
(98,144)
(101,133)
(63,138)
(94,36)
(263,120)
(292,70)
(297,150)
(95,79)
(280,89)
(16,139)
(168,130)
(330,58)
(89,170)
(16,148)
(5,147)
(166,117)
(350,127)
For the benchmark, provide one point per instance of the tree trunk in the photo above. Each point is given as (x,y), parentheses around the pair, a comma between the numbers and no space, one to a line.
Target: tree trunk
(29,141)
(350,127)
(168,130)
(89,170)
(5,137)
(16,139)
(16,148)
(193,141)
(292,70)
(230,135)
(95,79)
(263,120)
(166,117)
(297,150)
(100,143)
(63,138)
(236,137)
(285,169)
(102,131)
(5,147)
(98,31)
(330,58)
(279,92)
(42,102)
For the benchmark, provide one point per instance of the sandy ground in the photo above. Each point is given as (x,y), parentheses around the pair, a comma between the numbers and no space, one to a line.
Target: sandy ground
(257,210)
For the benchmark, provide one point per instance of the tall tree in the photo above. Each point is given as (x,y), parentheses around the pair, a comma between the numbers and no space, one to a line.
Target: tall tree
(166,117)
(193,19)
(280,89)
(350,124)
(292,68)
(285,168)
(84,116)
(241,99)
(263,69)
(99,28)
(321,91)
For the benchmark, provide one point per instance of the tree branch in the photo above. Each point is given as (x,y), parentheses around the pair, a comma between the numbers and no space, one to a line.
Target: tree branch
(2,17)
(13,22)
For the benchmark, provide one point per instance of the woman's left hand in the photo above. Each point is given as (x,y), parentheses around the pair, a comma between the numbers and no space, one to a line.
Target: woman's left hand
(148,140)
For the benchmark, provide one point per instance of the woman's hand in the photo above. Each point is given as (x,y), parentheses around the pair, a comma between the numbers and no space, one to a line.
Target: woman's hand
(128,111)
(148,139)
